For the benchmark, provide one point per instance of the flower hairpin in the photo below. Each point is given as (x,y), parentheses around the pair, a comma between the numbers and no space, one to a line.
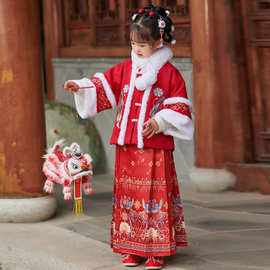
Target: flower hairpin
(161,24)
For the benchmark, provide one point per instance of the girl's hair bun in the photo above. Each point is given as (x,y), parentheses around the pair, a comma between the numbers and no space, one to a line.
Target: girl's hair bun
(156,20)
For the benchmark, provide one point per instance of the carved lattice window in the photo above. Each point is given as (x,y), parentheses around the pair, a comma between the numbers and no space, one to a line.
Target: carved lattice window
(259,22)
(104,23)
(260,5)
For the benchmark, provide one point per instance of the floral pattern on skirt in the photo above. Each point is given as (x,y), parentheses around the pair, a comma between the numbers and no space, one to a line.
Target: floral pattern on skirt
(147,208)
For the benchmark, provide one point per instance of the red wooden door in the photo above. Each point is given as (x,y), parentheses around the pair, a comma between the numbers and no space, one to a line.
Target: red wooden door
(256,21)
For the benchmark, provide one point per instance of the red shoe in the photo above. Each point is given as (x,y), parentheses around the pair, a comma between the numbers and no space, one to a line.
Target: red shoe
(154,263)
(131,260)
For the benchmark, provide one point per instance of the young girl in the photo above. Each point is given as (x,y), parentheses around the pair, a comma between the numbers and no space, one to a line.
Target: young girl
(152,107)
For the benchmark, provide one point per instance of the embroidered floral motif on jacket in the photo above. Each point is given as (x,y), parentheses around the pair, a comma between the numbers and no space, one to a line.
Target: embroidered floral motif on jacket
(121,105)
(157,101)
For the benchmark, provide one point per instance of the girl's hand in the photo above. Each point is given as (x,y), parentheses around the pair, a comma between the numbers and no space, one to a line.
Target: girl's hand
(150,127)
(71,86)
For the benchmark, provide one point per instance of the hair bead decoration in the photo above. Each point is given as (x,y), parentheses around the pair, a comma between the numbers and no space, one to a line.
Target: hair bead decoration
(151,13)
(167,12)
(141,11)
(172,28)
(173,42)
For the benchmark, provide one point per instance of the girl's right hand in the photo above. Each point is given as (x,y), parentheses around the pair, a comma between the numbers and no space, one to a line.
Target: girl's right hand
(71,86)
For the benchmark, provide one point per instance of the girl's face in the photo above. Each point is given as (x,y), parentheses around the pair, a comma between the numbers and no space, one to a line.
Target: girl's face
(144,49)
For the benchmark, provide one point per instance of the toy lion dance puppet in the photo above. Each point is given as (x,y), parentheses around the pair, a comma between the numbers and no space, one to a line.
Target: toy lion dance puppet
(64,168)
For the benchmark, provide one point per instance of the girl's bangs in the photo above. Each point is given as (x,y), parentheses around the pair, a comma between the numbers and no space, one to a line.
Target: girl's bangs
(139,34)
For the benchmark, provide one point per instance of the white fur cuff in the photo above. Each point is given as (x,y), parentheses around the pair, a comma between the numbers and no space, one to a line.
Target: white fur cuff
(179,125)
(86,99)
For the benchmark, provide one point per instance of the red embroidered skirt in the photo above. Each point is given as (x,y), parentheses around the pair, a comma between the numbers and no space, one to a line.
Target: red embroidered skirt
(147,209)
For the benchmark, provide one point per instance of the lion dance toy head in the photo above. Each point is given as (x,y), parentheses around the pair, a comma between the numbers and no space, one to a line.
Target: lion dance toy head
(68,167)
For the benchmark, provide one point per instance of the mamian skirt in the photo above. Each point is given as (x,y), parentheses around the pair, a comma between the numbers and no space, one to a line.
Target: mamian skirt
(147,209)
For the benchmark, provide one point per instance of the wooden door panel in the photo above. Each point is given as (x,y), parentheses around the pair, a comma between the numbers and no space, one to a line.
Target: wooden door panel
(264,59)
(256,22)
(264,55)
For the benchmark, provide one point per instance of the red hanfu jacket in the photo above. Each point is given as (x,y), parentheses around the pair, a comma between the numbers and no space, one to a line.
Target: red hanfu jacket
(140,89)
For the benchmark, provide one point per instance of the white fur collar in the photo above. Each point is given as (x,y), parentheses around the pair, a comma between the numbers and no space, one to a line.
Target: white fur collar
(150,66)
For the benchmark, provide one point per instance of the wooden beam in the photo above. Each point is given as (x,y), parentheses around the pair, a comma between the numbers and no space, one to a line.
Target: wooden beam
(124,51)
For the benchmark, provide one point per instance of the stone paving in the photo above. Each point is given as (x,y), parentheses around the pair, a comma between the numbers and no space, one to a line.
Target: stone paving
(226,231)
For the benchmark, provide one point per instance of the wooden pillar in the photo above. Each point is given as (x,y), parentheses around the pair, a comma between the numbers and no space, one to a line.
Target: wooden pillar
(203,78)
(53,37)
(222,132)
(122,16)
(22,122)
(92,16)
